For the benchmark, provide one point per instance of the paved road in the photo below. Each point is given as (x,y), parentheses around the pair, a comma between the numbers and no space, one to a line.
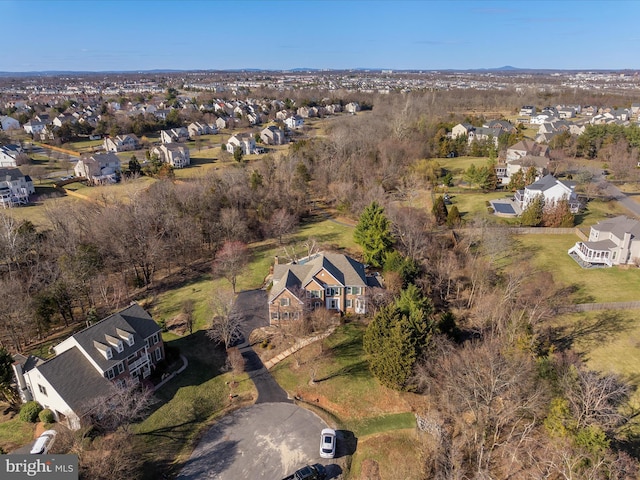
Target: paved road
(626,201)
(266,441)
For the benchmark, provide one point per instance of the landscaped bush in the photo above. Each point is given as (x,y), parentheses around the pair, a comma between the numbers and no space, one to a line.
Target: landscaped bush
(29,411)
(46,416)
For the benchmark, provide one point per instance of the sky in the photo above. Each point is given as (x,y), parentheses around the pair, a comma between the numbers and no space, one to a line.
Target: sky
(137,35)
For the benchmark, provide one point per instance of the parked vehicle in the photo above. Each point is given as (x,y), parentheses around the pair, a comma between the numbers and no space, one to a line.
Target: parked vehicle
(328,443)
(310,472)
(43,442)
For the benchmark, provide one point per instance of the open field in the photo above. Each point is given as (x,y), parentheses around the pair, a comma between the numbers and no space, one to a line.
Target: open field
(608,342)
(458,165)
(549,252)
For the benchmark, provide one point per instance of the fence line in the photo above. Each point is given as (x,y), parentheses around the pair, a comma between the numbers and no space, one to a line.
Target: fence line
(592,307)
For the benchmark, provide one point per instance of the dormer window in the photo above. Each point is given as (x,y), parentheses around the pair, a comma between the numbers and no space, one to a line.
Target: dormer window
(108,353)
(116,343)
(126,336)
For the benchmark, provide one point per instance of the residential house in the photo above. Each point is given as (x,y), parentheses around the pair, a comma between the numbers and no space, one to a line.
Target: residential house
(566,112)
(246,142)
(526,148)
(64,118)
(545,137)
(552,190)
(590,110)
(307,112)
(196,129)
(123,347)
(10,155)
(521,156)
(273,136)
(543,118)
(352,107)
(614,241)
(15,187)
(222,123)
(34,127)
(554,127)
(8,123)
(42,117)
(480,134)
(461,129)
(325,280)
(294,122)
(98,168)
(527,111)
(174,154)
(282,115)
(121,143)
(161,113)
(180,134)
(503,125)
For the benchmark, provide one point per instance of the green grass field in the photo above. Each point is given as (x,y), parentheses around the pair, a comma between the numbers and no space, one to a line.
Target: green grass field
(549,252)
(344,385)
(14,433)
(187,406)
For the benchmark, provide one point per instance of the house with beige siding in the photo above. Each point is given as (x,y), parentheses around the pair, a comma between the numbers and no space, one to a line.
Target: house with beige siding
(614,241)
(123,347)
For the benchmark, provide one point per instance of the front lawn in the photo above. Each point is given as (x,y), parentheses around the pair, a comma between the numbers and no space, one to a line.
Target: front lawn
(14,433)
(344,387)
(188,405)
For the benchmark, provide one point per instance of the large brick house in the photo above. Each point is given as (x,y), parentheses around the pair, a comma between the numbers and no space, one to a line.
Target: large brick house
(325,280)
(125,346)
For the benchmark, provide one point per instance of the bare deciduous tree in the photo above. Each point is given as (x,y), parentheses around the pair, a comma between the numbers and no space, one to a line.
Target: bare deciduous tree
(230,261)
(226,323)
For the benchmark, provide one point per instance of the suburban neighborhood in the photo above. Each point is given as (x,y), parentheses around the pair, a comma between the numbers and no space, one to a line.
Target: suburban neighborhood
(310,262)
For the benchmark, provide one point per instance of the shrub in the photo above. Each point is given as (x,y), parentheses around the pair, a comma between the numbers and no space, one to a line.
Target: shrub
(46,416)
(29,411)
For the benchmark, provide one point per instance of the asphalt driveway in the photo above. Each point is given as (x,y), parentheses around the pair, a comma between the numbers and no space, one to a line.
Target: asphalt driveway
(251,305)
(264,441)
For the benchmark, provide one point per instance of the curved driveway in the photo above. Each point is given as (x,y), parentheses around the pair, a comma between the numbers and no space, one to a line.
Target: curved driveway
(268,440)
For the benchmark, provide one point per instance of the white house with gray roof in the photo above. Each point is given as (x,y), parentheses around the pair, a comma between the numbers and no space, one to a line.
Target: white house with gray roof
(15,187)
(326,280)
(614,241)
(125,346)
(551,190)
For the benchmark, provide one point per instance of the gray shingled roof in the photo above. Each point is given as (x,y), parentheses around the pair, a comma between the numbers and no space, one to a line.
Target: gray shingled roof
(10,174)
(600,245)
(619,226)
(75,379)
(345,270)
(133,319)
(545,183)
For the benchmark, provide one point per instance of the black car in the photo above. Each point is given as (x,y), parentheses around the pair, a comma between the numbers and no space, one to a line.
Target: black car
(310,472)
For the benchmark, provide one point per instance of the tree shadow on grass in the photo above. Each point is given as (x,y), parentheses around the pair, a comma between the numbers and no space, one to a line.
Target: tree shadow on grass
(206,360)
(591,331)
(350,355)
